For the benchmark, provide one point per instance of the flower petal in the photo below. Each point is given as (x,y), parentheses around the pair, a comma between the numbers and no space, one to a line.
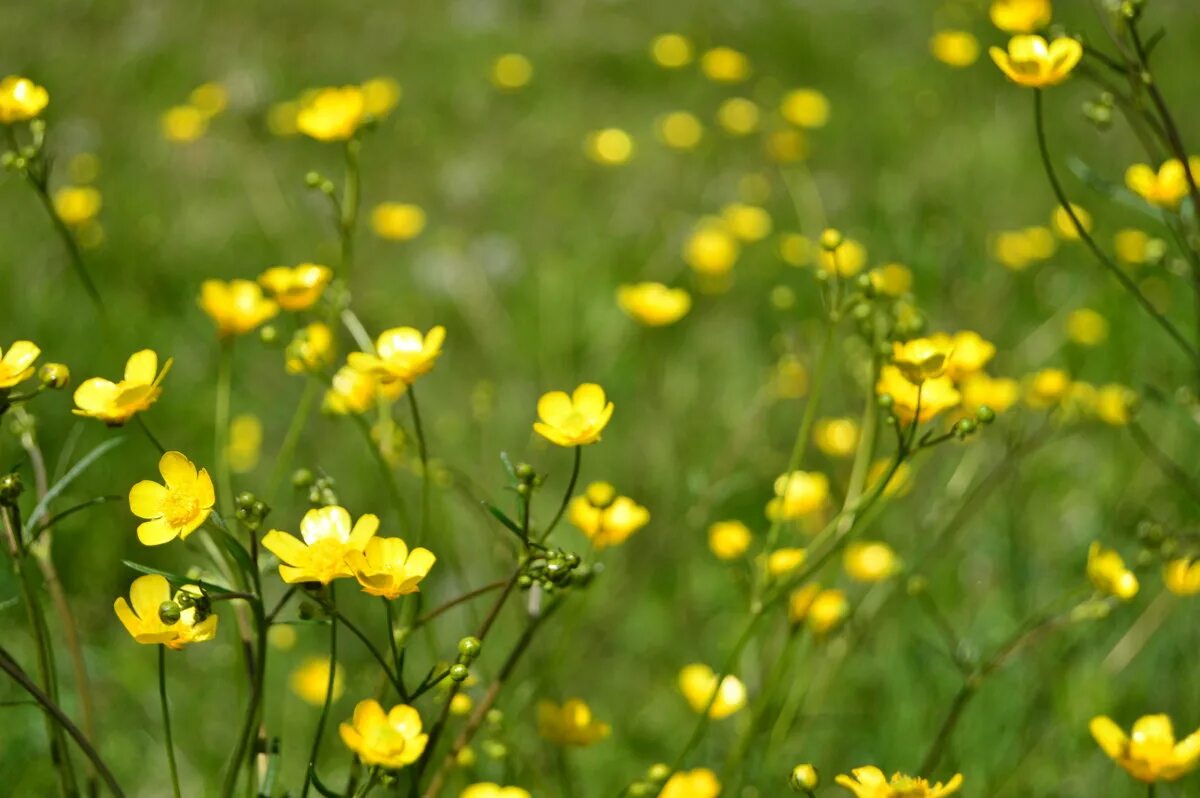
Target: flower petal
(141,367)
(156,532)
(146,499)
(177,470)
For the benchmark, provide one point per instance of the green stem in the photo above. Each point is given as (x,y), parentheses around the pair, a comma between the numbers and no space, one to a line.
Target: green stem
(320,730)
(221,427)
(291,438)
(166,714)
(258,676)
(562,508)
(385,469)
(423,453)
(141,422)
(339,617)
(349,205)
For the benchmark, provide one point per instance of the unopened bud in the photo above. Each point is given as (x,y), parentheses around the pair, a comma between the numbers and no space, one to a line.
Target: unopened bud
(54,375)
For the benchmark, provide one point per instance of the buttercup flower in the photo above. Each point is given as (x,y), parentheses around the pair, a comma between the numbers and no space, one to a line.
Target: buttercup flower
(380,96)
(245,443)
(488,789)
(698,682)
(1108,573)
(697,783)
(845,256)
(296,287)
(401,354)
(800,601)
(956,48)
(826,611)
(511,71)
(748,223)
(116,403)
(175,509)
(725,65)
(1150,753)
(1114,404)
(21,99)
(969,353)
(711,249)
(836,437)
(574,420)
(937,394)
(871,561)
(77,205)
(310,680)
(569,724)
(728,540)
(921,358)
(805,108)
(1020,16)
(1065,227)
(237,306)
(869,782)
(797,494)
(605,518)
(654,304)
(143,622)
(610,146)
(1164,188)
(680,130)
(327,538)
(332,114)
(980,390)
(397,221)
(353,391)
(892,279)
(386,567)
(391,740)
(1030,61)
(805,777)
(16,364)
(1182,576)
(784,561)
(310,350)
(738,116)
(671,50)
(1086,327)
(1047,388)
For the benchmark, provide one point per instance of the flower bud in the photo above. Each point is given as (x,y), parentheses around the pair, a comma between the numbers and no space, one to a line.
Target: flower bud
(169,612)
(658,772)
(459,672)
(469,647)
(524,471)
(831,238)
(313,179)
(10,487)
(54,375)
(985,414)
(805,778)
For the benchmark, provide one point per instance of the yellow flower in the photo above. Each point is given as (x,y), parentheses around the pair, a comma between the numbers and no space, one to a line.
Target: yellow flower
(826,611)
(1017,249)
(310,350)
(711,249)
(296,287)
(869,782)
(354,391)
(697,783)
(610,146)
(401,354)
(1046,388)
(380,96)
(728,540)
(921,358)
(332,114)
(654,304)
(175,509)
(784,561)
(1020,16)
(795,249)
(680,130)
(671,50)
(16,365)
(1108,573)
(183,123)
(606,519)
(969,353)
(805,108)
(143,622)
(956,48)
(836,437)
(980,390)
(1086,327)
(725,65)
(1150,753)
(872,561)
(786,146)
(328,538)
(698,683)
(1182,576)
(386,567)
(511,71)
(1030,61)
(569,724)
(116,403)
(1114,404)
(488,789)
(738,116)
(77,205)
(790,379)
(236,307)
(847,257)
(461,704)
(245,443)
(209,99)
(1164,188)
(800,601)
(398,221)
(21,99)
(805,777)
(390,740)
(747,222)
(900,483)
(892,279)
(1136,247)
(310,680)
(797,494)
(937,394)
(574,420)
(1065,226)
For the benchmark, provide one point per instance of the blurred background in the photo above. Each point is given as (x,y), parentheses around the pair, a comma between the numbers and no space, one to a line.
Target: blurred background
(525,224)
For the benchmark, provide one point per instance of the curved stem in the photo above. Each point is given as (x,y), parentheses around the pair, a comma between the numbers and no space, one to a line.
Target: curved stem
(385,468)
(454,602)
(166,715)
(291,438)
(141,422)
(320,730)
(562,508)
(423,453)
(221,427)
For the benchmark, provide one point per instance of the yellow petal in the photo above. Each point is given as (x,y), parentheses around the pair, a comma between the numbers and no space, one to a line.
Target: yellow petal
(364,529)
(554,407)
(589,399)
(147,593)
(1109,736)
(156,532)
(284,546)
(205,494)
(177,470)
(142,367)
(21,355)
(146,498)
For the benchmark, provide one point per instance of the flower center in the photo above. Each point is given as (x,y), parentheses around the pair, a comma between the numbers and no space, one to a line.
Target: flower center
(179,508)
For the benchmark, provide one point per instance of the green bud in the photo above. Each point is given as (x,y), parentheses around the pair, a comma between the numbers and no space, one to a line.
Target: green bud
(268,334)
(524,471)
(494,717)
(494,749)
(313,179)
(523,489)
(169,612)
(302,477)
(244,500)
(805,778)
(11,487)
(985,414)
(886,401)
(640,789)
(659,772)
(469,647)
(459,672)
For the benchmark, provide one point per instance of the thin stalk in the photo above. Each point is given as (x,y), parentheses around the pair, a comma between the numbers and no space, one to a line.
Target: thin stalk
(145,428)
(349,205)
(221,427)
(454,602)
(166,715)
(243,751)
(423,453)
(390,628)
(562,508)
(385,469)
(291,438)
(320,730)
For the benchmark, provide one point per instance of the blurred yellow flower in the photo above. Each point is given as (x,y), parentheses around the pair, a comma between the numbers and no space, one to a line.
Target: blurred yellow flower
(1086,327)
(487,789)
(1114,404)
(738,116)
(936,395)
(21,99)
(116,403)
(800,601)
(870,561)
(805,108)
(210,99)
(237,306)
(327,538)
(969,353)
(697,783)
(353,391)
(1164,188)
(1150,754)
(606,519)
(310,680)
(869,782)
(711,249)
(784,561)
(1030,61)
(956,48)
(281,118)
(847,257)
(461,704)
(654,304)
(245,443)
(680,130)
(1182,576)
(826,611)
(980,390)
(1020,16)
(790,379)
(390,740)
(610,146)
(725,65)
(385,567)
(310,350)
(892,279)
(84,167)
(398,221)
(728,540)
(797,494)
(16,365)
(76,205)
(511,71)
(749,223)
(671,50)
(698,683)
(1046,388)
(921,359)
(144,622)
(795,249)
(174,509)
(380,96)
(183,123)
(296,287)
(332,114)
(574,420)
(1134,246)
(402,354)
(1018,249)
(1108,573)
(836,437)
(282,637)
(786,146)
(569,724)
(1064,226)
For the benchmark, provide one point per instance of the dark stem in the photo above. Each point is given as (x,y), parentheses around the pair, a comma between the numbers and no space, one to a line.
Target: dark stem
(562,508)
(320,730)
(166,715)
(423,453)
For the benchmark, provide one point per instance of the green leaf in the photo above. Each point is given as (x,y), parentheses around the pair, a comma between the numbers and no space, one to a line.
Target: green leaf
(84,464)
(235,549)
(509,524)
(508,466)
(176,579)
